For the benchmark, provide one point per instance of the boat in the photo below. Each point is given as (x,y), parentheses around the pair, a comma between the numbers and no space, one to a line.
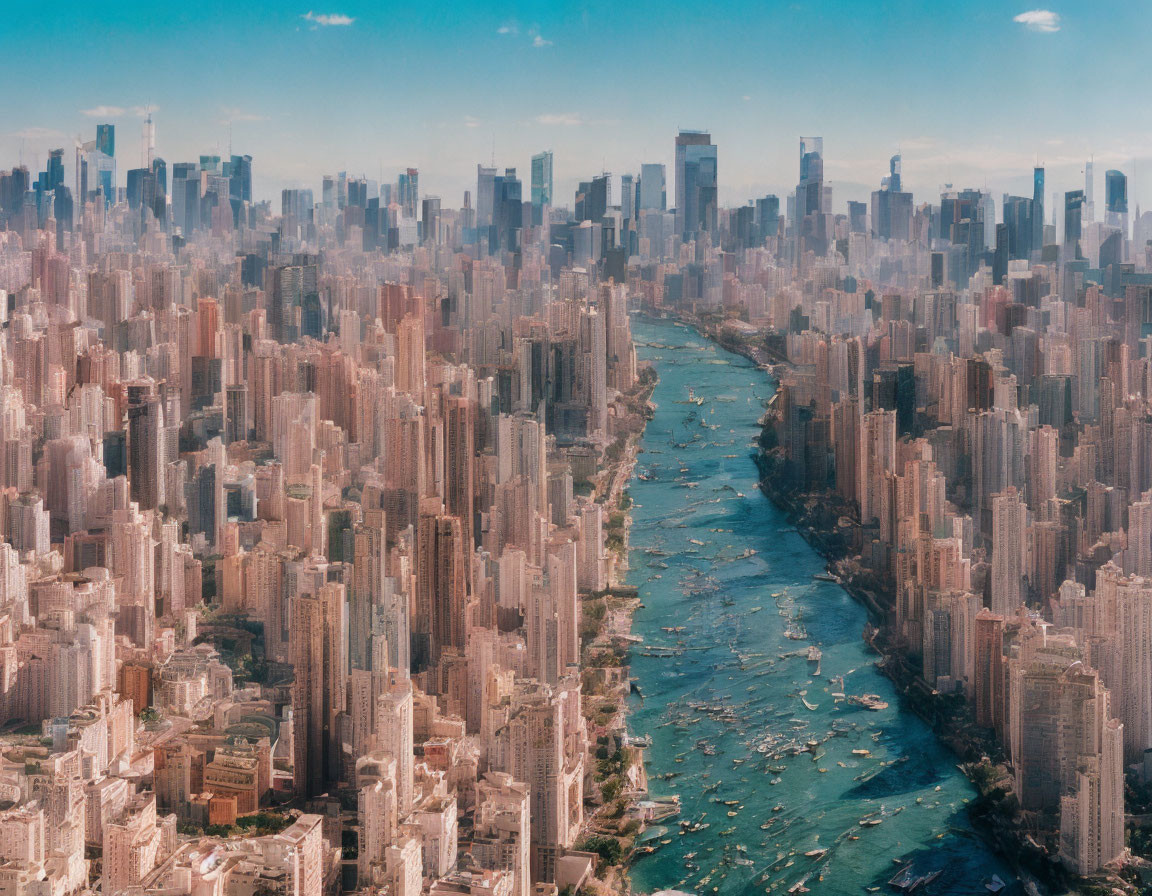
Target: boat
(870,822)
(825,577)
(861,752)
(795,632)
(814,654)
(995,885)
(908,880)
(811,706)
(871,702)
(815,853)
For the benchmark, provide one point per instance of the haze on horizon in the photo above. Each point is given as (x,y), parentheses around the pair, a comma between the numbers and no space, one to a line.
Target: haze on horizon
(970,93)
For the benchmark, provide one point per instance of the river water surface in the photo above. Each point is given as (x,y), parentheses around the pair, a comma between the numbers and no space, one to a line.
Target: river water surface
(730,700)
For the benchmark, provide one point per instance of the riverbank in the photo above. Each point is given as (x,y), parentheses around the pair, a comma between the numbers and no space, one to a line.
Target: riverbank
(617,784)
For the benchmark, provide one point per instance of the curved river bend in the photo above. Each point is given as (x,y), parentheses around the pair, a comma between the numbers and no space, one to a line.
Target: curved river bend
(728,698)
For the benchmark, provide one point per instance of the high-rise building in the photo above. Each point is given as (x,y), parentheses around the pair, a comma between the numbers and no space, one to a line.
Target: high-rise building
(653,190)
(1009,525)
(441,588)
(811,206)
(146,444)
(485,196)
(891,208)
(106,139)
(319,654)
(1116,200)
(1020,226)
(696,184)
(240,178)
(430,220)
(408,187)
(541,185)
(1073,228)
(1037,208)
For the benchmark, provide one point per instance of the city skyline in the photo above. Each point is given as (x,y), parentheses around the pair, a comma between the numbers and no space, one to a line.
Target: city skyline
(576,450)
(442,93)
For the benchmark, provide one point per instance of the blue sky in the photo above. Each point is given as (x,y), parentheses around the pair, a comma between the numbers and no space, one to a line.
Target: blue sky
(972,93)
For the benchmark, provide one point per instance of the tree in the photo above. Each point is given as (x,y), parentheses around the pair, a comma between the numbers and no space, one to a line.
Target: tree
(607,848)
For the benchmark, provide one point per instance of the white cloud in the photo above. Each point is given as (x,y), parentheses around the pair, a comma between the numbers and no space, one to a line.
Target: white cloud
(117,111)
(538,39)
(230,116)
(326,19)
(566,119)
(746,98)
(1043,20)
(470,122)
(103,112)
(510,28)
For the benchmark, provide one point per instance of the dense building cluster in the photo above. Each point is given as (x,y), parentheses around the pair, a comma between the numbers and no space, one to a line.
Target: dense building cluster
(299,505)
(964,417)
(297,510)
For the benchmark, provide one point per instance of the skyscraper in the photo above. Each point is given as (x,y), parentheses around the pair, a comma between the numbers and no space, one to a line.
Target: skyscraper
(430,218)
(485,195)
(891,208)
(810,222)
(1116,200)
(653,190)
(106,139)
(1037,208)
(1073,211)
(696,197)
(541,184)
(1021,226)
(240,178)
(409,189)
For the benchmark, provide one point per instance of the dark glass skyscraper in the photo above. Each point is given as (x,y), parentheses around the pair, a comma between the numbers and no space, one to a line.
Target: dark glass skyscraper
(106,139)
(1073,210)
(1038,208)
(240,178)
(541,184)
(1020,226)
(1116,199)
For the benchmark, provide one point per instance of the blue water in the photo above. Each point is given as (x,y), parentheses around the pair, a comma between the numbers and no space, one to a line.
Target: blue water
(731,685)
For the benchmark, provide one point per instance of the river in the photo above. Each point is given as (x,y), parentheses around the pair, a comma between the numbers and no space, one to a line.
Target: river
(727,698)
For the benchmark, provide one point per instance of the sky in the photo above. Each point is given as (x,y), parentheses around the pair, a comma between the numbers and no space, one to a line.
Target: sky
(971,93)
